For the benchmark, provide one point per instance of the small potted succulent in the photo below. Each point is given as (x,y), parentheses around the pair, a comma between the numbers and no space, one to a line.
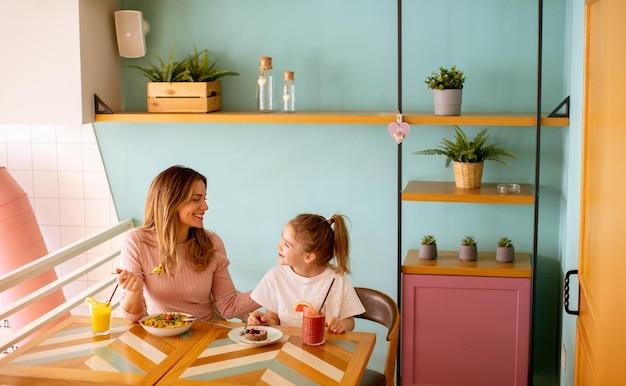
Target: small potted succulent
(468,156)
(447,86)
(468,251)
(505,252)
(428,248)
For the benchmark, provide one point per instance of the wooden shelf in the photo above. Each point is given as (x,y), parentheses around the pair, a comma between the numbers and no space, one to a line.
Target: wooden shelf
(483,119)
(448,263)
(448,192)
(335,117)
(301,117)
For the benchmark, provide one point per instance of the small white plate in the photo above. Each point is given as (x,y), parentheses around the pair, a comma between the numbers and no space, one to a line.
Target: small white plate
(273,335)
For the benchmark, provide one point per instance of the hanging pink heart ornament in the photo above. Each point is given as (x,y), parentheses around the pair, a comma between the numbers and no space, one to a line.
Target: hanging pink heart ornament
(399,131)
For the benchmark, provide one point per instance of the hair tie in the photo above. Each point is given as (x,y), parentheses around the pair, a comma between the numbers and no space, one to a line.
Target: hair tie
(330,221)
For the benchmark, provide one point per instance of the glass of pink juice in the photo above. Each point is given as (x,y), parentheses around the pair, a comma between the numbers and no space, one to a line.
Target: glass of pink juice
(314,325)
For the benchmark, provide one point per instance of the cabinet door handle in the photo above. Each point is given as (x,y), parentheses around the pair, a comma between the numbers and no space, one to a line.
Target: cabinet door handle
(566,292)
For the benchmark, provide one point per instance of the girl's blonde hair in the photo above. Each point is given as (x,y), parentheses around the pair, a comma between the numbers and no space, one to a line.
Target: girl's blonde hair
(171,189)
(317,236)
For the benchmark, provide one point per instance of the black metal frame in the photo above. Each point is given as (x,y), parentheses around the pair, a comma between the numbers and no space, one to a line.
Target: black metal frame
(554,113)
(399,187)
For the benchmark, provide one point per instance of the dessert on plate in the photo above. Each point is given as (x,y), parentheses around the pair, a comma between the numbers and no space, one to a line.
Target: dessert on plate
(255,334)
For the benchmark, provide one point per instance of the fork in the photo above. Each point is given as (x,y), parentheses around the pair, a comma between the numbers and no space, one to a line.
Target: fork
(191,319)
(221,325)
(245,327)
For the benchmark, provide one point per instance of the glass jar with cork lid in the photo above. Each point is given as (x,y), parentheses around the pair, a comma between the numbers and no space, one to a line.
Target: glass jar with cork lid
(265,86)
(289,92)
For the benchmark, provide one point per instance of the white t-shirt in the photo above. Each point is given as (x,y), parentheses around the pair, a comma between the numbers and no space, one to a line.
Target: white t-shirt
(280,288)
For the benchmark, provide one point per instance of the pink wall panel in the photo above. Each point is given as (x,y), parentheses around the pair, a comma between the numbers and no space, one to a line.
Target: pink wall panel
(460,330)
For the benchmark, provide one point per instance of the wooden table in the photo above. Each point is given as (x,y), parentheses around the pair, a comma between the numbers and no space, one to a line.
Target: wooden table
(69,354)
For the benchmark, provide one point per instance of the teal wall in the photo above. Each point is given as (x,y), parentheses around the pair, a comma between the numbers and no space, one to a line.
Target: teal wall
(572,177)
(344,55)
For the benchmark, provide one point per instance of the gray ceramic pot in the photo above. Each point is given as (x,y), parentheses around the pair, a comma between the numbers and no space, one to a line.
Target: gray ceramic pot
(428,251)
(468,253)
(505,254)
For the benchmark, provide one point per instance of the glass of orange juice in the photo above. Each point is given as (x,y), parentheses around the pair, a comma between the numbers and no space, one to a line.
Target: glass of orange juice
(314,325)
(100,313)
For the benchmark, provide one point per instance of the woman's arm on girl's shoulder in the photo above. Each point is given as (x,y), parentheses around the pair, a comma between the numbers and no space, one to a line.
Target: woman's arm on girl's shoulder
(228,301)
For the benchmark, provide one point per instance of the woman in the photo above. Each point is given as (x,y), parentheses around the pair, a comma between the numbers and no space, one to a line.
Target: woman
(172,263)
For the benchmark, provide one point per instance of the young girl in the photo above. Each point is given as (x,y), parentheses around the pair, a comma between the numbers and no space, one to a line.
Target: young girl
(305,273)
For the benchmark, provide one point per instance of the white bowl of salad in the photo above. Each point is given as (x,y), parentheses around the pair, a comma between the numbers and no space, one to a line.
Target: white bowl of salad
(166,324)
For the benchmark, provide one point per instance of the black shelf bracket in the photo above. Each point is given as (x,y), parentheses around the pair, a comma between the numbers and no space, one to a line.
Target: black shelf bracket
(100,106)
(555,112)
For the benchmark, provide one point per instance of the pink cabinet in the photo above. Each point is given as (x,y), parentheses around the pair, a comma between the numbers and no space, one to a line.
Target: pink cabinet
(465,323)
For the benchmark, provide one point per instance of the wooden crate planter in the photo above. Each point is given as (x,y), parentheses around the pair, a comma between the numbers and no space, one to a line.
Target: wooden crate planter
(184,97)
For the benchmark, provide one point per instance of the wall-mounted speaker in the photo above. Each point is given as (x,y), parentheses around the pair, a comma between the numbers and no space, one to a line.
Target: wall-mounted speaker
(131,30)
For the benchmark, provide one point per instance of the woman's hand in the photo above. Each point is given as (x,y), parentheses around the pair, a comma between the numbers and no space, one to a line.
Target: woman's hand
(133,285)
(129,281)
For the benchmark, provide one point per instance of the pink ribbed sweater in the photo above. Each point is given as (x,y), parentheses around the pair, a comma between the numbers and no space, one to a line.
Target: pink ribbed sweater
(198,293)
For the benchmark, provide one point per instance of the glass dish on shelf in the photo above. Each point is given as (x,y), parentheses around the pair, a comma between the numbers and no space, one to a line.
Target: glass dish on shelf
(508,188)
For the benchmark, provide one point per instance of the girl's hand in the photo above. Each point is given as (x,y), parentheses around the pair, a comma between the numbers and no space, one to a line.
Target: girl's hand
(129,281)
(336,325)
(257,318)
(339,326)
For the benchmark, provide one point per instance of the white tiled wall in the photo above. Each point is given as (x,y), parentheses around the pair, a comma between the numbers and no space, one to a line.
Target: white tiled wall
(61,170)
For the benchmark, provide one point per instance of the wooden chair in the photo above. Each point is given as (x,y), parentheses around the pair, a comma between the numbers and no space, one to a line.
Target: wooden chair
(381,308)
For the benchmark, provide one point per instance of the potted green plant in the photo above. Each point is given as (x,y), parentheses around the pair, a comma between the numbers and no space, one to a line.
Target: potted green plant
(447,86)
(505,252)
(188,85)
(468,156)
(428,248)
(468,250)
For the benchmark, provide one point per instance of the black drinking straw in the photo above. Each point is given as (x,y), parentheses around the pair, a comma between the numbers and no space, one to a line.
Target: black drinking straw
(115,289)
(326,297)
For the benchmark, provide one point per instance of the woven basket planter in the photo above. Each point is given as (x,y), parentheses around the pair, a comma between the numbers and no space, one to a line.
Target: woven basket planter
(468,175)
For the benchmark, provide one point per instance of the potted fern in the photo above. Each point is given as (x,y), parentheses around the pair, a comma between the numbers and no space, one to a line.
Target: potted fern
(428,248)
(447,86)
(505,252)
(188,85)
(468,156)
(468,250)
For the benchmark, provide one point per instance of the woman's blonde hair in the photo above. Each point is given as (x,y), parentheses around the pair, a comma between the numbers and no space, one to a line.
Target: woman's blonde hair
(171,189)
(317,236)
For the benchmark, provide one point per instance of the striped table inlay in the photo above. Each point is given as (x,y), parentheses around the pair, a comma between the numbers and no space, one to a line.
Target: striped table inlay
(286,362)
(70,354)
(72,351)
